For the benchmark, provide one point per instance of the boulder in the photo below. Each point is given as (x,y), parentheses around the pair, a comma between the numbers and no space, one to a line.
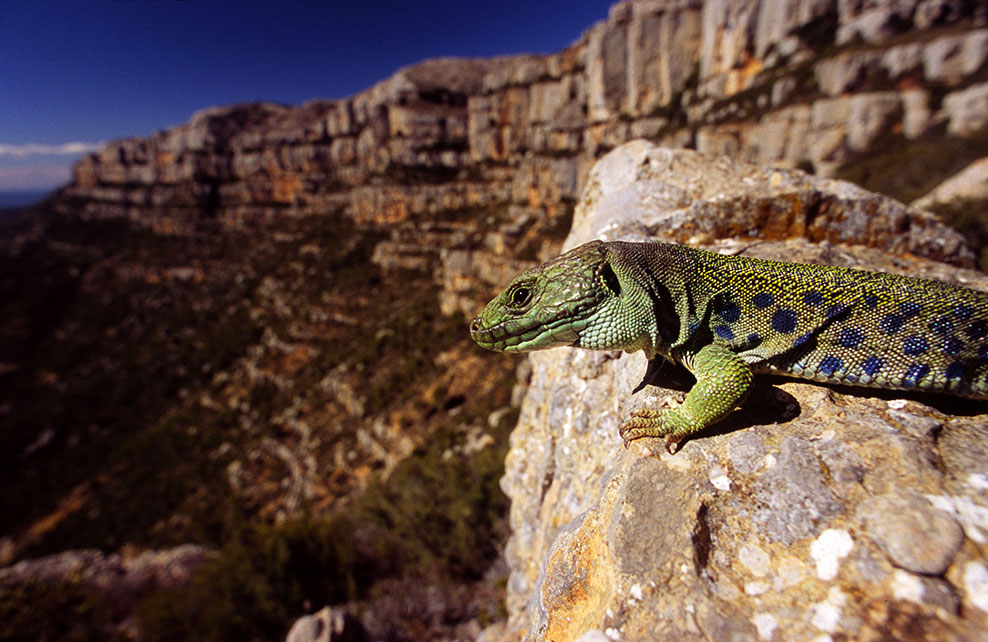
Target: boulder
(971,183)
(813,512)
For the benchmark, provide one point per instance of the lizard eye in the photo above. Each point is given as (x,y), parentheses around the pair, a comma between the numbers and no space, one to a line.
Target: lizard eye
(520,296)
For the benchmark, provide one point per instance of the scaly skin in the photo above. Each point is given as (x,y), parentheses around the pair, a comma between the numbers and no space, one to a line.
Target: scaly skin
(726,318)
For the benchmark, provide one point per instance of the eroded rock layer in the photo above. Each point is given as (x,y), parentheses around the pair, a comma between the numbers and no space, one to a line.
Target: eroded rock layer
(488,156)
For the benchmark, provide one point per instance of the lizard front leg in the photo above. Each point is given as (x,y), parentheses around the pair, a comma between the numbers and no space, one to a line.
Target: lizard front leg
(722,382)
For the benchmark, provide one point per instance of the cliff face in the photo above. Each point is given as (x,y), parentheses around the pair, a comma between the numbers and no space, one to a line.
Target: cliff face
(813,512)
(445,151)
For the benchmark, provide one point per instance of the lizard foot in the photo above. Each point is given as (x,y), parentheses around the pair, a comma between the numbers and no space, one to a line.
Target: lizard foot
(649,422)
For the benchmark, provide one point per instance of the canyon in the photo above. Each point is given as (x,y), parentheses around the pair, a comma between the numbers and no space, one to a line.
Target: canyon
(250,327)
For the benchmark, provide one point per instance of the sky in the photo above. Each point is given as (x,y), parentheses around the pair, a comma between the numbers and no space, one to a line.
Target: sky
(77,73)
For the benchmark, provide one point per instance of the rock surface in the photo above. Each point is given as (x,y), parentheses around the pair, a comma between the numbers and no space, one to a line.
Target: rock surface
(970,184)
(328,625)
(814,512)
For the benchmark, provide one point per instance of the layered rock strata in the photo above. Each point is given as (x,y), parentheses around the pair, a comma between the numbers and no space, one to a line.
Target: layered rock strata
(489,155)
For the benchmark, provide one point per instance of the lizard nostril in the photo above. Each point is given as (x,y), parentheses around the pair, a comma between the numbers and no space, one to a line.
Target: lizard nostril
(475,325)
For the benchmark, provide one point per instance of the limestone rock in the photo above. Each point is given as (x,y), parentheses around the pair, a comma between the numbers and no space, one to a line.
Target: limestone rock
(970,184)
(772,81)
(126,574)
(331,624)
(812,511)
(682,196)
(967,109)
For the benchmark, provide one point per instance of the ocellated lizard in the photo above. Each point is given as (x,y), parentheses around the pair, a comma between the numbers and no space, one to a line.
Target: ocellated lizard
(726,318)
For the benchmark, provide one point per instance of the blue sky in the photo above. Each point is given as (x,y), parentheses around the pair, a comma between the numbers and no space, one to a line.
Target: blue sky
(75,73)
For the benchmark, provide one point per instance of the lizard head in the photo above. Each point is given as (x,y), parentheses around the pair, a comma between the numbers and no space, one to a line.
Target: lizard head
(562,302)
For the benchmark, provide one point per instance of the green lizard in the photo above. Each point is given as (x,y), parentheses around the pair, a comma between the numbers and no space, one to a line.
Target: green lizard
(727,317)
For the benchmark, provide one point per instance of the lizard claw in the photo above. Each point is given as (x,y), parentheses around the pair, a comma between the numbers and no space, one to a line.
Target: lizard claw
(672,444)
(647,422)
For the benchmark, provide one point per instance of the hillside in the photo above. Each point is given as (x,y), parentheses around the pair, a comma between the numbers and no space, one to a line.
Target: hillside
(248,332)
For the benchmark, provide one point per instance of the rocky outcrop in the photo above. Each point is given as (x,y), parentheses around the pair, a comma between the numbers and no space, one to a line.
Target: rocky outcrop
(971,184)
(111,586)
(814,512)
(489,155)
(328,625)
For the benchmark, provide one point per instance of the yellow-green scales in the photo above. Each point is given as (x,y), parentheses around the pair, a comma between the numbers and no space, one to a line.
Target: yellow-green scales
(727,317)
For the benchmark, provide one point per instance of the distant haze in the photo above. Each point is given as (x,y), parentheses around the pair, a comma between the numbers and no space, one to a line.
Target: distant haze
(21,198)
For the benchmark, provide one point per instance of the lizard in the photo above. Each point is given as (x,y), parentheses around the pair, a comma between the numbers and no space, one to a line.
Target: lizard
(727,318)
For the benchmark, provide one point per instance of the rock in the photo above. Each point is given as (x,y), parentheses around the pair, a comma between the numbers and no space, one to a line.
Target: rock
(950,58)
(967,109)
(871,115)
(971,183)
(914,535)
(697,199)
(118,581)
(879,20)
(812,511)
(779,82)
(331,624)
(127,574)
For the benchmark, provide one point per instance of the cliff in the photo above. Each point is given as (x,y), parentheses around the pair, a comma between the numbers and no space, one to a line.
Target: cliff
(813,511)
(484,158)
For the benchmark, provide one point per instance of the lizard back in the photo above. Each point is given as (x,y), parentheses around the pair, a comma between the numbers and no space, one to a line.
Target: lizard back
(833,324)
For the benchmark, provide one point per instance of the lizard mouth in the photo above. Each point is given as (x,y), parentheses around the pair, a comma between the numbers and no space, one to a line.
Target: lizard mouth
(514,335)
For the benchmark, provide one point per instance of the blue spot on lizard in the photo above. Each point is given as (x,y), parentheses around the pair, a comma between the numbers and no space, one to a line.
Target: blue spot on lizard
(977,330)
(831,364)
(915,345)
(916,372)
(963,312)
(892,323)
(726,309)
(802,339)
(784,321)
(871,365)
(724,331)
(955,370)
(952,346)
(850,338)
(813,298)
(942,325)
(762,300)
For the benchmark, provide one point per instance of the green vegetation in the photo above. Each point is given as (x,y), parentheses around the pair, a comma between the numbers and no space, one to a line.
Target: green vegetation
(430,524)
(65,612)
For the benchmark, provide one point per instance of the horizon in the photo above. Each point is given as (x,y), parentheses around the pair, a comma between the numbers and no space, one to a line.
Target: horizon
(18,198)
(99,73)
